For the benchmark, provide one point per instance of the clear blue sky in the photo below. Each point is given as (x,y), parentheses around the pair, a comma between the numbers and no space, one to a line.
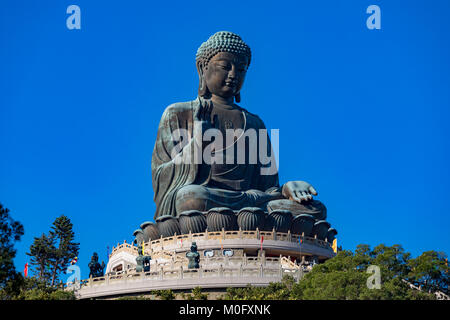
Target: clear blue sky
(363,114)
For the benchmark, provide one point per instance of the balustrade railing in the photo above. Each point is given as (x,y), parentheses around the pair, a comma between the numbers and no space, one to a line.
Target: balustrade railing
(158,245)
(181,272)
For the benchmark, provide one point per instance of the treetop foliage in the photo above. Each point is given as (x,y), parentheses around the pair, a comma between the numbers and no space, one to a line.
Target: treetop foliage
(345,277)
(10,232)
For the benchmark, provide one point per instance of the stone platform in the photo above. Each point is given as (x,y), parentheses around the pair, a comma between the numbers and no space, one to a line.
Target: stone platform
(227,259)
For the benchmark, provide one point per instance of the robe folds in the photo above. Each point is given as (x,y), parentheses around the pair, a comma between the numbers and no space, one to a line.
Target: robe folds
(169,174)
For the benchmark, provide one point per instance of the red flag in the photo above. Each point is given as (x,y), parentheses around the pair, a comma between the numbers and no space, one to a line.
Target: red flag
(25,270)
(262,239)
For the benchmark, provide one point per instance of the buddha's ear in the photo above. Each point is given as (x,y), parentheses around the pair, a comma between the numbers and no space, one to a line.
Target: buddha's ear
(238,97)
(199,66)
(202,88)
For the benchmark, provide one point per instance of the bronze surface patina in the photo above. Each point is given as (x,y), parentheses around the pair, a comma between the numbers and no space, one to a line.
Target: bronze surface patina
(181,184)
(193,257)
(142,261)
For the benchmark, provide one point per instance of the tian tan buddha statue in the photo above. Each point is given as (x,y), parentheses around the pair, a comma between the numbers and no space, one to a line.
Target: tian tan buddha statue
(183,181)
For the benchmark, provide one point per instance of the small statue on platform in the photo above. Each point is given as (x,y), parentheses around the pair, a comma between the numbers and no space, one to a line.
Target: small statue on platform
(194,257)
(96,269)
(142,261)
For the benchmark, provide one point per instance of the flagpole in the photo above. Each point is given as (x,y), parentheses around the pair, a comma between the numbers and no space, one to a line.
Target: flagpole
(262,240)
(25,270)
(300,240)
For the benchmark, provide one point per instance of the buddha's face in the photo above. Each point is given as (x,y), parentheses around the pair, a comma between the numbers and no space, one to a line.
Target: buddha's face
(225,74)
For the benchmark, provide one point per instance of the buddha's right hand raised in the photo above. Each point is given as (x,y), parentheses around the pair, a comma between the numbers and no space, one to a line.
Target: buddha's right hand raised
(202,121)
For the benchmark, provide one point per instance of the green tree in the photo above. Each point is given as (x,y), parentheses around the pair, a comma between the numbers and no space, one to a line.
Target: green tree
(393,260)
(51,254)
(196,294)
(345,277)
(10,232)
(41,252)
(66,250)
(34,288)
(274,291)
(164,294)
(430,271)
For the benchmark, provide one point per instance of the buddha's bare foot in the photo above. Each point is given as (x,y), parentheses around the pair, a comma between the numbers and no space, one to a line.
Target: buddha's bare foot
(313,207)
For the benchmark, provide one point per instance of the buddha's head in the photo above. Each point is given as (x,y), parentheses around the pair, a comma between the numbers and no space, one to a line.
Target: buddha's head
(222,63)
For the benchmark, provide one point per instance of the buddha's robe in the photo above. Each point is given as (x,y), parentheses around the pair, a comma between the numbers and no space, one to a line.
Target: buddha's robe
(185,185)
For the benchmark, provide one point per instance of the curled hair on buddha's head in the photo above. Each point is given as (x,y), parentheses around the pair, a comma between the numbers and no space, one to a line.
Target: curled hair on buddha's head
(222,41)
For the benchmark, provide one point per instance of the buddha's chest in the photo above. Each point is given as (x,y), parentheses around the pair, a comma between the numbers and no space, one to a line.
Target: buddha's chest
(224,119)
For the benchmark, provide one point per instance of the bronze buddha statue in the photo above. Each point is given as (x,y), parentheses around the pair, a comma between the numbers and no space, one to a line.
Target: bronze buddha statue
(181,184)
